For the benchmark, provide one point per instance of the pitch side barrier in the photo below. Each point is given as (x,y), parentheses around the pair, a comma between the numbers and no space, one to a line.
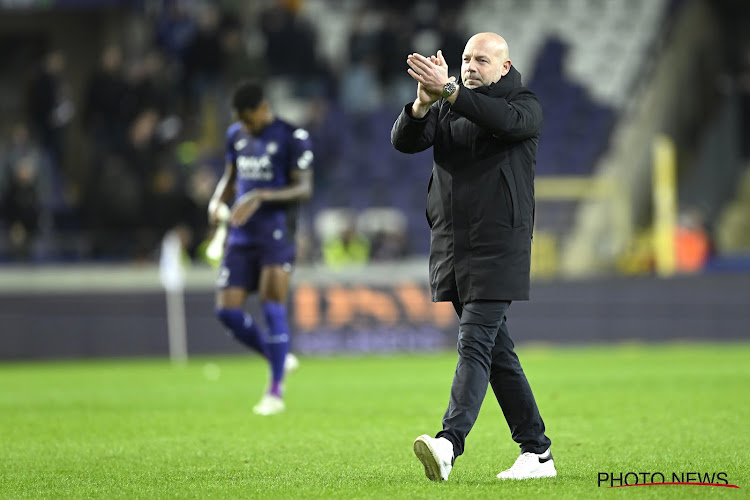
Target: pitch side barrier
(115,312)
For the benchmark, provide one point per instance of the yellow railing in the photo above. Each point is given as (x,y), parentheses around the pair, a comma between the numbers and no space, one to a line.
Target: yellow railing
(665,204)
(653,249)
(545,257)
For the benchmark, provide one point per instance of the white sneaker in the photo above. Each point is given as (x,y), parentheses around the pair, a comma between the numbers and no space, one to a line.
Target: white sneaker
(436,455)
(269,405)
(291,363)
(531,465)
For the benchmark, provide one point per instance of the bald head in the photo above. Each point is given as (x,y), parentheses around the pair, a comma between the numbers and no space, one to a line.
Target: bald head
(486,59)
(492,42)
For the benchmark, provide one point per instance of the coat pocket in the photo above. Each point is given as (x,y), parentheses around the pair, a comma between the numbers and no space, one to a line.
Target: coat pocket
(427,209)
(500,268)
(508,252)
(510,184)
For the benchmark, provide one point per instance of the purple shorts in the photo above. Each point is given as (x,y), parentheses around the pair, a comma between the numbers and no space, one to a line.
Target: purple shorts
(242,264)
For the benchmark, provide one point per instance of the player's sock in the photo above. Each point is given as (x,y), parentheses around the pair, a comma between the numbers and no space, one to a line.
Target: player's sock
(244,329)
(278,342)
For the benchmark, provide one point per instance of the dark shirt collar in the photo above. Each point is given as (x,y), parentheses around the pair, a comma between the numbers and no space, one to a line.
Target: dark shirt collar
(502,87)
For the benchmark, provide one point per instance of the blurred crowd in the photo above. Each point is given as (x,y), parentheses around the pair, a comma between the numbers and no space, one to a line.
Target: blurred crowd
(101,158)
(153,114)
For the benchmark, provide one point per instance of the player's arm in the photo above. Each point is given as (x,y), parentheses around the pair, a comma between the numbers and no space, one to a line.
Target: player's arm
(299,189)
(223,193)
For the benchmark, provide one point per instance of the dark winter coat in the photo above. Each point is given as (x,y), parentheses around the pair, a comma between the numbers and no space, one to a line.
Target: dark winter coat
(480,197)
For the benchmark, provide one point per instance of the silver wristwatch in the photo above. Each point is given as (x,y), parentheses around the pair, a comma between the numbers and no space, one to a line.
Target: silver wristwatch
(448,89)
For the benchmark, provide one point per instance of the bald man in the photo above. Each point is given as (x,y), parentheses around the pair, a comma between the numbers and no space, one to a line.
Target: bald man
(484,132)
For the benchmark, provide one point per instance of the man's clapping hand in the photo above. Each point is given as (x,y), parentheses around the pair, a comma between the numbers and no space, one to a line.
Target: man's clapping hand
(431,75)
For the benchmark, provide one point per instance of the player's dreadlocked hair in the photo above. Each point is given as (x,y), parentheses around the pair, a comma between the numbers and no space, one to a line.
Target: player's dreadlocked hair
(247,95)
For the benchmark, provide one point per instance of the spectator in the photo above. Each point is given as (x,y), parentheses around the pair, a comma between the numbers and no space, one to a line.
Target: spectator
(692,243)
(21,146)
(144,92)
(361,91)
(389,245)
(103,113)
(118,193)
(743,80)
(451,38)
(175,29)
(385,228)
(48,110)
(23,149)
(204,56)
(239,63)
(200,187)
(290,43)
(169,206)
(349,249)
(396,41)
(20,203)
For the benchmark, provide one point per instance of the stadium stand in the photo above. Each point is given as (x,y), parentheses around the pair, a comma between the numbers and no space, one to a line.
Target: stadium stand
(577,56)
(586,59)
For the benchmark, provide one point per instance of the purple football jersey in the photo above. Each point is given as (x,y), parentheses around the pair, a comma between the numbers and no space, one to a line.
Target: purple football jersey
(267,161)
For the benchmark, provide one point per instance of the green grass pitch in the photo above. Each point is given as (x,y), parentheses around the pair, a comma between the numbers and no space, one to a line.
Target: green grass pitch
(144,429)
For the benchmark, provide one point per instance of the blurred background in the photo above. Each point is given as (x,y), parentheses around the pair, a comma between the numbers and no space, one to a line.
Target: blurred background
(112,118)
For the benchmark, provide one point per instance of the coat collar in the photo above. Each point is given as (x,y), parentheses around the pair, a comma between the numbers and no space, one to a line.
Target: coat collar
(502,87)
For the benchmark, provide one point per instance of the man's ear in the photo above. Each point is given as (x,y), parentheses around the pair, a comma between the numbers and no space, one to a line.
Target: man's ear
(506,67)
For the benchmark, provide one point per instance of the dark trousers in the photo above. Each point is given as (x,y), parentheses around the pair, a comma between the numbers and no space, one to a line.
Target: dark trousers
(486,355)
